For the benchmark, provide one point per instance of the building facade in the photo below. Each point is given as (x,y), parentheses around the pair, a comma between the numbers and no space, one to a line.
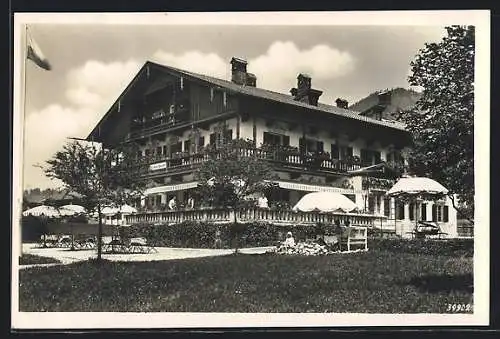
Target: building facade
(174,114)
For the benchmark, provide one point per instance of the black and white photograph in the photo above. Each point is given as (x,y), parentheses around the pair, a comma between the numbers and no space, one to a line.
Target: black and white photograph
(277,169)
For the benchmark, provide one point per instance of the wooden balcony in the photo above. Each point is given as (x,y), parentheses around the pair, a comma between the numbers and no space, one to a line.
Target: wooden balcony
(159,165)
(284,217)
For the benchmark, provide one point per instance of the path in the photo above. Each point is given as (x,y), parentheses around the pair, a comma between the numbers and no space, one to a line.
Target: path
(66,256)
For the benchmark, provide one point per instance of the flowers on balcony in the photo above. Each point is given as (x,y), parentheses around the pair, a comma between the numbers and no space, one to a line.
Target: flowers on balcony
(377,183)
(316,159)
(180,155)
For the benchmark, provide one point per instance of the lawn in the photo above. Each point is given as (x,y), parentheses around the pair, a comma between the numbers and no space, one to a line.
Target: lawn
(32,259)
(369,282)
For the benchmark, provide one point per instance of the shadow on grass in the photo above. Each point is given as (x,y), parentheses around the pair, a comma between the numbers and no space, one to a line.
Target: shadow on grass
(443,283)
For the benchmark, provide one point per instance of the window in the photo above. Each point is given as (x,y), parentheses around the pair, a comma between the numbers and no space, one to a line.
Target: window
(147,152)
(139,154)
(335,151)
(215,138)
(158,150)
(394,156)
(439,213)
(370,157)
(309,145)
(164,150)
(276,139)
(345,152)
(201,141)
(366,156)
(434,213)
(371,204)
(446,214)
(400,211)
(423,212)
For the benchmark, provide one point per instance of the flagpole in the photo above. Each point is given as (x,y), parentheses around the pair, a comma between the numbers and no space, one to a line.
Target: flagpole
(24,91)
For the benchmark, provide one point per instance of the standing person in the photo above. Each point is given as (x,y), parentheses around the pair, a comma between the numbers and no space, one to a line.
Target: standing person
(190,203)
(172,204)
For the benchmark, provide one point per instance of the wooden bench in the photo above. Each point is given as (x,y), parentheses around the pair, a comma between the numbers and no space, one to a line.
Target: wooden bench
(354,236)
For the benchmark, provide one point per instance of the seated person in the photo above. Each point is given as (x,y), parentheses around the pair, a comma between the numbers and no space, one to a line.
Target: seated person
(262,202)
(172,204)
(289,241)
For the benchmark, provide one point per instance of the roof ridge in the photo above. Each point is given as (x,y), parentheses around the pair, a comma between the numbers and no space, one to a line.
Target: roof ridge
(284,98)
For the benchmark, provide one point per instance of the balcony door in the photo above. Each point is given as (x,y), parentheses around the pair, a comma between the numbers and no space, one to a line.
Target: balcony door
(275,139)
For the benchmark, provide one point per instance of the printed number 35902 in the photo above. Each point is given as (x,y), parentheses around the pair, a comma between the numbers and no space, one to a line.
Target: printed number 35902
(458,308)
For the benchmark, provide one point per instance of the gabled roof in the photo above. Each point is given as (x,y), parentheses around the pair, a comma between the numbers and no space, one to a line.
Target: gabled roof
(257,93)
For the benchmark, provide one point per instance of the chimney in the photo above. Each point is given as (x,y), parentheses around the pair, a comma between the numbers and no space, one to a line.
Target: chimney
(251,80)
(314,95)
(238,71)
(341,103)
(304,92)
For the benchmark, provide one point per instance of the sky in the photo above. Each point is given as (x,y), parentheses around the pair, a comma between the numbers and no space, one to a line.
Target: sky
(92,64)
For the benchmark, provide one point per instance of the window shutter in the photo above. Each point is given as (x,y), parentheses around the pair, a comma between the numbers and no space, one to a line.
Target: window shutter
(434,213)
(412,211)
(213,138)
(302,145)
(423,212)
(445,214)
(286,140)
(349,151)
(335,151)
(228,135)
(319,146)
(387,203)
(267,138)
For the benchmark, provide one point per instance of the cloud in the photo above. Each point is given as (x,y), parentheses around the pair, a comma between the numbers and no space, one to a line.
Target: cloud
(204,63)
(278,68)
(91,89)
(44,133)
(93,86)
(97,84)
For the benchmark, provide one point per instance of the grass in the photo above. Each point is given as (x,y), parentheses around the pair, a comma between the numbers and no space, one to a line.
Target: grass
(369,282)
(32,259)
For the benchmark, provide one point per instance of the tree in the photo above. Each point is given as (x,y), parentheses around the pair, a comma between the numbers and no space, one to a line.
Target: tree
(103,177)
(442,120)
(232,177)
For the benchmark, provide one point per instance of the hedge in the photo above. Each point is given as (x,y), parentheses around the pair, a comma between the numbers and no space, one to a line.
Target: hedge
(444,247)
(203,235)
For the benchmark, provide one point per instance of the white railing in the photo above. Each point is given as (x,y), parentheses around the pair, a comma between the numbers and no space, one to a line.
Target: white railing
(253,214)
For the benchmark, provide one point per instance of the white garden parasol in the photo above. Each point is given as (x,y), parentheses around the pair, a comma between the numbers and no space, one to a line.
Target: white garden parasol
(76,209)
(325,202)
(47,211)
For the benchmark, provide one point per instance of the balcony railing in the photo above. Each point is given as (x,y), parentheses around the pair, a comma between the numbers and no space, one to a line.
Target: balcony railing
(159,164)
(254,214)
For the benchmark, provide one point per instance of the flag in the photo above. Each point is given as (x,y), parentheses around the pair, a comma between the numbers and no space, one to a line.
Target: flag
(36,55)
